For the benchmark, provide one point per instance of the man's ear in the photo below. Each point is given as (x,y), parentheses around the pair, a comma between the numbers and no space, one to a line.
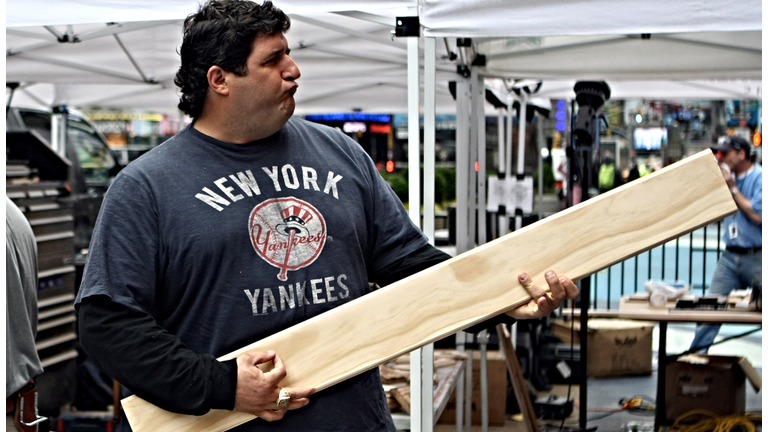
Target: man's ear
(217,80)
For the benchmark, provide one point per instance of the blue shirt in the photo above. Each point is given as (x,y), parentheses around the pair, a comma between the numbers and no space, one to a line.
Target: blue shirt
(749,234)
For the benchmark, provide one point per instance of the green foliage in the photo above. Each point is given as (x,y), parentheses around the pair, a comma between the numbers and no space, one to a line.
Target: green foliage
(549,178)
(445,184)
(398,182)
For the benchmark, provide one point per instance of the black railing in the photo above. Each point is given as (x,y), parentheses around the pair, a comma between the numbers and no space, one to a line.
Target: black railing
(691,259)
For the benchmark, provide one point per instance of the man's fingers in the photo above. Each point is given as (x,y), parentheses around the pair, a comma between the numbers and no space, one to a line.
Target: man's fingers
(298,393)
(271,415)
(557,291)
(299,397)
(298,403)
(259,357)
(571,290)
(278,372)
(533,290)
(278,362)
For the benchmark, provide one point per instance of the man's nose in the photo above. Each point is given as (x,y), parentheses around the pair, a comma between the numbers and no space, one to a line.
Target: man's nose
(292,71)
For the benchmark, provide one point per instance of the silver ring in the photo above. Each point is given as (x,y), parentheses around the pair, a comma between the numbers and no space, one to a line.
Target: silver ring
(283,398)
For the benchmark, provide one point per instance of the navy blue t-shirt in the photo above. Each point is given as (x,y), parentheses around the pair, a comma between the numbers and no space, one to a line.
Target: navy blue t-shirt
(225,244)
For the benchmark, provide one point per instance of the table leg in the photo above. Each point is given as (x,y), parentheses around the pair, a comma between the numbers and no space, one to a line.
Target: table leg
(661,375)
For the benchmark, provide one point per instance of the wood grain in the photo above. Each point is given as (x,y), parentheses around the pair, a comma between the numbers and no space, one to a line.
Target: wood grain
(518,381)
(476,285)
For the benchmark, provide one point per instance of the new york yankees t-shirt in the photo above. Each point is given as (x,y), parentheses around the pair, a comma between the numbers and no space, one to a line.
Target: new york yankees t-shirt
(225,244)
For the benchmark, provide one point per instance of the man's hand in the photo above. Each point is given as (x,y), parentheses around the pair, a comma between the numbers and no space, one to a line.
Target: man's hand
(544,302)
(257,391)
(728,176)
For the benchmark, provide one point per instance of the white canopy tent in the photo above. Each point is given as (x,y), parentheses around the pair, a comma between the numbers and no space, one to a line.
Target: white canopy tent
(662,44)
(689,49)
(125,56)
(122,54)
(345,50)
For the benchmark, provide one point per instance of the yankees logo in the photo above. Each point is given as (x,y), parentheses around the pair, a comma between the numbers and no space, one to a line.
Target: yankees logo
(288,233)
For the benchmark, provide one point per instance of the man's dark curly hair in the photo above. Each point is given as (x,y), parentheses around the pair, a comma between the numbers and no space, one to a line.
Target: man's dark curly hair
(222,33)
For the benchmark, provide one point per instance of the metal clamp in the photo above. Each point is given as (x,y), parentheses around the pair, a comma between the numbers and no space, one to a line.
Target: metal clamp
(38,419)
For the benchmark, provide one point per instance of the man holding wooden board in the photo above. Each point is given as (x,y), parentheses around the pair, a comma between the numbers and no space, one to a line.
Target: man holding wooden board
(245,223)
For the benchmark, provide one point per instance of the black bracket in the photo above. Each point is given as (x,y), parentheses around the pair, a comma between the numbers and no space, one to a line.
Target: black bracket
(407,26)
(479,60)
(463,70)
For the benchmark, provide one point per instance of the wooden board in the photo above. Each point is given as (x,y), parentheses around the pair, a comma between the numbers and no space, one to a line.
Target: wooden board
(705,316)
(518,381)
(476,285)
(403,396)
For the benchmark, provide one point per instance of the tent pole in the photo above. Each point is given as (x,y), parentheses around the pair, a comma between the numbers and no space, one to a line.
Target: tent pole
(427,352)
(521,157)
(414,163)
(502,144)
(473,136)
(510,127)
(540,158)
(478,106)
(462,165)
(414,206)
(482,181)
(429,139)
(502,226)
(462,221)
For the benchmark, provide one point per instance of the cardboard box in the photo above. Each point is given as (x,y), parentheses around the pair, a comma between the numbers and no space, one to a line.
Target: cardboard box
(615,347)
(497,391)
(712,383)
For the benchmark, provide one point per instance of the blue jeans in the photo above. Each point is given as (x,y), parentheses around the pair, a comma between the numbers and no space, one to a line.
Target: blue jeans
(734,271)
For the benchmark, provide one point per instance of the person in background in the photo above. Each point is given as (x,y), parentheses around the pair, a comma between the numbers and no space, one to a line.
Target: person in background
(22,363)
(740,265)
(609,176)
(245,223)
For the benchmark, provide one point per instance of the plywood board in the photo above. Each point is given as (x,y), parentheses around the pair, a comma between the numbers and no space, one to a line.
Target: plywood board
(518,381)
(476,285)
(403,397)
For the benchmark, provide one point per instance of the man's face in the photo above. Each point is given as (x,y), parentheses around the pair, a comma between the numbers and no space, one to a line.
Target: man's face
(731,158)
(265,94)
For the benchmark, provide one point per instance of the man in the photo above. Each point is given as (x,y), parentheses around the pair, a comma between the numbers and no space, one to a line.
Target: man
(740,265)
(243,224)
(22,363)
(608,176)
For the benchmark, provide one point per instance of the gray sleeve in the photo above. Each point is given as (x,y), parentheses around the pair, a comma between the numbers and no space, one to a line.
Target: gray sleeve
(22,362)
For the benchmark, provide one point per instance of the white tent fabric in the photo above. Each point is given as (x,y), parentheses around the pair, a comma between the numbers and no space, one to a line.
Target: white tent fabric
(681,56)
(692,49)
(349,59)
(65,12)
(525,18)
